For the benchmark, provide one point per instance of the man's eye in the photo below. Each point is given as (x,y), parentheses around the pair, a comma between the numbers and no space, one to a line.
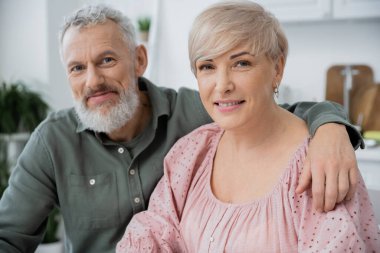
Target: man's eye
(107,60)
(77,68)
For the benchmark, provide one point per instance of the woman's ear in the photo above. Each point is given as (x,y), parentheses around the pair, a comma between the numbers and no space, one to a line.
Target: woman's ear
(141,60)
(279,68)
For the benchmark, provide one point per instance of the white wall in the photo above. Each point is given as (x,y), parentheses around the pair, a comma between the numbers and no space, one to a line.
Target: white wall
(29,46)
(23,40)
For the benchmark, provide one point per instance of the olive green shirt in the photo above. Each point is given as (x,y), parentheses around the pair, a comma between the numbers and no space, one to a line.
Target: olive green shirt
(99,184)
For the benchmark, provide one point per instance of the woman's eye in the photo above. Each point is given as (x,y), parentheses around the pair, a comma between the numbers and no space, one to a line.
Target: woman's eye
(203,67)
(107,60)
(243,64)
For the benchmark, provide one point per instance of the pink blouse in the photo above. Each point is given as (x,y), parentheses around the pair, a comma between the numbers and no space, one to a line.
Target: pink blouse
(185,216)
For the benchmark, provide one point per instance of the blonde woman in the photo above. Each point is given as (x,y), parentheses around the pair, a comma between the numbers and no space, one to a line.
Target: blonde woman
(230,186)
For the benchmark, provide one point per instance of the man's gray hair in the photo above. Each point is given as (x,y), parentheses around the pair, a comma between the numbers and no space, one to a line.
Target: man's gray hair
(99,14)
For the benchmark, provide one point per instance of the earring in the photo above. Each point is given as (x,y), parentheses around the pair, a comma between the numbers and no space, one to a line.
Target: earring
(276,91)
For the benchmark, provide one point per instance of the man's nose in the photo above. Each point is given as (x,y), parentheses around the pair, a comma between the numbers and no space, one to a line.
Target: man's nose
(94,77)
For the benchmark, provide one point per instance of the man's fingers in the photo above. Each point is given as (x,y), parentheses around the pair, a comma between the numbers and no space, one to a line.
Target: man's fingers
(318,189)
(305,179)
(343,186)
(331,190)
(354,179)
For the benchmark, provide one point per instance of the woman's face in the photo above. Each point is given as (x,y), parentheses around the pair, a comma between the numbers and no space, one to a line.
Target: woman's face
(236,88)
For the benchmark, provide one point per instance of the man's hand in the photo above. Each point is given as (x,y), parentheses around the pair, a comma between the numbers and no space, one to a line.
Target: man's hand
(330,166)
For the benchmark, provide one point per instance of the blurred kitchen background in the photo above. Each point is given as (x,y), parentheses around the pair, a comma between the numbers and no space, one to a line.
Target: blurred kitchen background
(334,54)
(321,33)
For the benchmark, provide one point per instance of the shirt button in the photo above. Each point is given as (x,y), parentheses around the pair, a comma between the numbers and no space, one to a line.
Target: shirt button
(132,172)
(121,150)
(137,200)
(92,181)
(211,239)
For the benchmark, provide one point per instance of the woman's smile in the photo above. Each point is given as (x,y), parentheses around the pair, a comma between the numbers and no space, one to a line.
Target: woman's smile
(228,105)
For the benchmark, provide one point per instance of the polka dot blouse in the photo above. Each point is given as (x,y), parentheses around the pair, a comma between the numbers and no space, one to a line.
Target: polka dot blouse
(185,216)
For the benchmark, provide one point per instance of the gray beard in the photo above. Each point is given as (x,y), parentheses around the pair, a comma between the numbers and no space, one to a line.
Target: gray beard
(116,117)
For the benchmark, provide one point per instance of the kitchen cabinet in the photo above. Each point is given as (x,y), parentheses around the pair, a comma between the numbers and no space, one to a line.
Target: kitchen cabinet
(343,9)
(319,10)
(298,10)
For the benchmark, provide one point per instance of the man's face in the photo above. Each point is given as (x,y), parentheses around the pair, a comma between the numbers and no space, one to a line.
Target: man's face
(102,73)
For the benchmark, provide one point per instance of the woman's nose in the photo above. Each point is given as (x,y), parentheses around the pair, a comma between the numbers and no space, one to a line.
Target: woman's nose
(223,82)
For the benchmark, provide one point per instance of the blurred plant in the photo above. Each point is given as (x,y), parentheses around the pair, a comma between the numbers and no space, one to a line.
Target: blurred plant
(4,168)
(21,109)
(143,24)
(52,227)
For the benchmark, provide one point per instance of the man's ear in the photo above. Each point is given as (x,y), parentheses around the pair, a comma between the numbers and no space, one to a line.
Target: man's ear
(141,60)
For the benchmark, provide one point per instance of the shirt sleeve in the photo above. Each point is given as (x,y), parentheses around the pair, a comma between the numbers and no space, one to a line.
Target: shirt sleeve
(190,106)
(350,227)
(318,114)
(157,229)
(29,198)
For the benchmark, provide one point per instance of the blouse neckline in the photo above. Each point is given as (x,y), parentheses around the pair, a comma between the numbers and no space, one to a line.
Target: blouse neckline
(256,201)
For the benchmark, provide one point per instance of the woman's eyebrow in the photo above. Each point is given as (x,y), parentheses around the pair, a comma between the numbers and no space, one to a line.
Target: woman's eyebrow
(238,54)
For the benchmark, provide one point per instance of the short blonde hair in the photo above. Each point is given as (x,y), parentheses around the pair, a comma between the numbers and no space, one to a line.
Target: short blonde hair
(226,25)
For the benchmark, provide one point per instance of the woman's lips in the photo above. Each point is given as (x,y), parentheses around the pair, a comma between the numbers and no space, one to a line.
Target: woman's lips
(228,106)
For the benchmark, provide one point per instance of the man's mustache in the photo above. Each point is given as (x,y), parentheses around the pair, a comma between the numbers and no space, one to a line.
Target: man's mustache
(102,88)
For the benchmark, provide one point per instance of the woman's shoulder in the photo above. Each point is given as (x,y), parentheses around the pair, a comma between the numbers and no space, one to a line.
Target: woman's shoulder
(199,136)
(192,148)
(210,130)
